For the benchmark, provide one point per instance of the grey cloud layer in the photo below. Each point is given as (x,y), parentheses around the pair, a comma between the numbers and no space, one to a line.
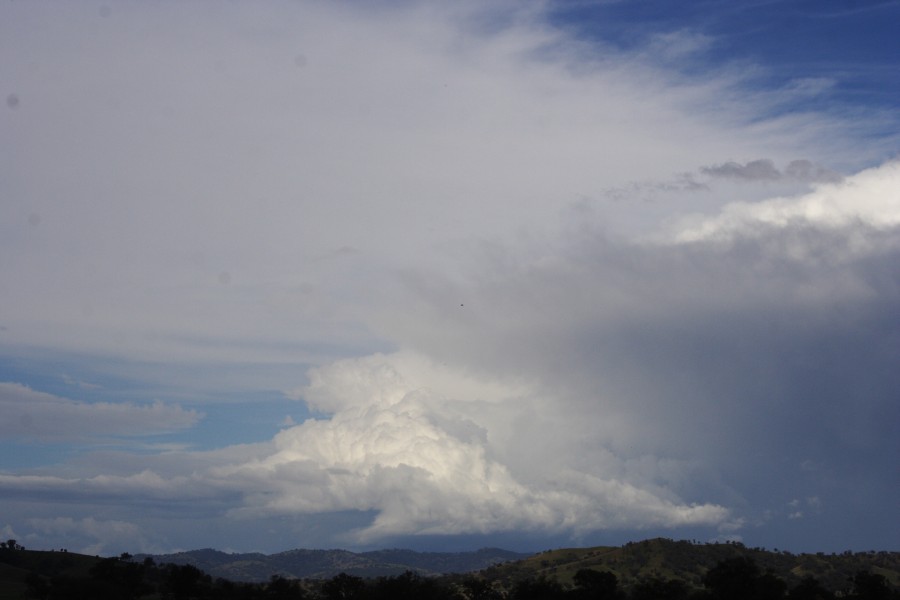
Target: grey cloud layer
(32,415)
(760,346)
(765,170)
(211,191)
(608,386)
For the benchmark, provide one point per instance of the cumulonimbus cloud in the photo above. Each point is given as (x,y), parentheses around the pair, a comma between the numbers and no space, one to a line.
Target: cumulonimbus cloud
(866,199)
(556,398)
(407,439)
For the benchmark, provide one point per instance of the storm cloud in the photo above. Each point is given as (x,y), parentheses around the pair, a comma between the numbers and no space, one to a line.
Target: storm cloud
(488,278)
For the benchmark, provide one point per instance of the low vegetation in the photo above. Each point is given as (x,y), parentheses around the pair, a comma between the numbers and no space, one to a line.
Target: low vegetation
(649,570)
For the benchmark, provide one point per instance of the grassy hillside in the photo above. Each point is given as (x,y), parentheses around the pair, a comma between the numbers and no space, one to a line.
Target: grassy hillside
(16,566)
(689,562)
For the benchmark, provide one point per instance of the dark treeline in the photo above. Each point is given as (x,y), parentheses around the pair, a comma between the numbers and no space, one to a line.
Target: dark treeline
(740,578)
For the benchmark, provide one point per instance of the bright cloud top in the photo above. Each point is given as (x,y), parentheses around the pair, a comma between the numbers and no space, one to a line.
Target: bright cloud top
(422,459)
(867,199)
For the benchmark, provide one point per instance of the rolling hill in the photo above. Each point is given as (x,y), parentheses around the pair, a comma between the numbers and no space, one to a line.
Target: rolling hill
(661,560)
(319,564)
(689,561)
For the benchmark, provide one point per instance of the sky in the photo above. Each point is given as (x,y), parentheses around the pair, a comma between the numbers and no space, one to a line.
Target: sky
(445,275)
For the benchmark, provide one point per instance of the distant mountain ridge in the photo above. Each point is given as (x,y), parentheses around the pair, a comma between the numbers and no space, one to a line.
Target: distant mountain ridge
(654,567)
(632,562)
(318,564)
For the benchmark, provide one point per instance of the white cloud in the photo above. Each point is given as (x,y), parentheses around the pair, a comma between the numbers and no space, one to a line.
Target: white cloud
(410,440)
(423,459)
(84,385)
(868,199)
(33,415)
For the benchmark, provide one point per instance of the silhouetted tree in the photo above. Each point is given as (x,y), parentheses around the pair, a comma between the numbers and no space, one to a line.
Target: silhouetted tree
(280,588)
(596,585)
(407,586)
(479,589)
(38,587)
(770,587)
(732,579)
(121,580)
(809,588)
(660,589)
(870,586)
(537,589)
(343,587)
(183,581)
(739,579)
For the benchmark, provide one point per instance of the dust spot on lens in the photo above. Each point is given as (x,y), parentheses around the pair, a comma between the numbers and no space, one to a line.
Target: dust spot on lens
(12,101)
(34,219)
(104,11)
(224,278)
(300,60)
